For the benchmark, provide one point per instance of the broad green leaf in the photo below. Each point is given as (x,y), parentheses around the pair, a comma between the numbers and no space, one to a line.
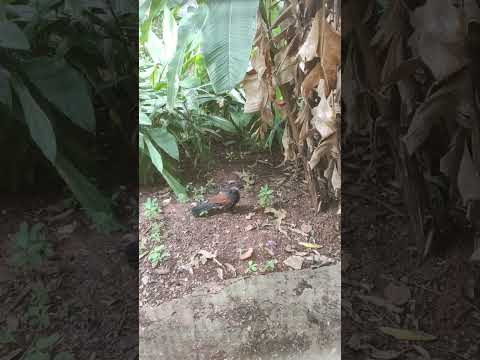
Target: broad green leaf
(155,155)
(227,41)
(222,124)
(144,119)
(141,142)
(188,29)
(169,34)
(38,123)
(12,37)
(153,10)
(241,119)
(143,7)
(165,140)
(175,185)
(410,335)
(6,336)
(5,89)
(85,192)
(64,87)
(156,48)
(47,342)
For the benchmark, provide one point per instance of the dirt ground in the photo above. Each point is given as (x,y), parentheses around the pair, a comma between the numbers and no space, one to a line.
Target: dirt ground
(228,235)
(386,283)
(91,293)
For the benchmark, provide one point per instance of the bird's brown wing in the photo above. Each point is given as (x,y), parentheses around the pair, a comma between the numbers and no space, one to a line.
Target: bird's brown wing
(221,199)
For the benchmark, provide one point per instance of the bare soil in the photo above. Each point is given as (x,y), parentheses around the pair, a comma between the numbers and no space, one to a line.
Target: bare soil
(386,282)
(229,234)
(92,298)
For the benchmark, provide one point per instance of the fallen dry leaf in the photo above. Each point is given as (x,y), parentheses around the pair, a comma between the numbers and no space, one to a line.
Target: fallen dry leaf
(231,268)
(295,262)
(219,273)
(410,335)
(207,254)
(310,245)
(249,227)
(278,214)
(397,294)
(247,254)
(289,249)
(250,216)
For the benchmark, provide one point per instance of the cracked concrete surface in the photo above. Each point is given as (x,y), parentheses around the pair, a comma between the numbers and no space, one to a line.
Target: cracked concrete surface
(287,315)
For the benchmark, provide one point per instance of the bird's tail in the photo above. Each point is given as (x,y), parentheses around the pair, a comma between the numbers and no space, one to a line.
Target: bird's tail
(201,208)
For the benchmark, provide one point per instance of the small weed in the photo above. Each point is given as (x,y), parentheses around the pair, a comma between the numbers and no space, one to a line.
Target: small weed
(248,180)
(151,208)
(43,347)
(265,196)
(155,233)
(198,192)
(103,222)
(157,255)
(210,185)
(37,312)
(30,247)
(269,265)
(6,336)
(252,267)
(182,198)
(230,155)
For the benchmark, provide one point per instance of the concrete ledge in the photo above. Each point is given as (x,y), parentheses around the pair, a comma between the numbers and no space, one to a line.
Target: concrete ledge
(289,315)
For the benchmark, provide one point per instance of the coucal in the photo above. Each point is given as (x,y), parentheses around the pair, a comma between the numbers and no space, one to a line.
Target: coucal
(224,200)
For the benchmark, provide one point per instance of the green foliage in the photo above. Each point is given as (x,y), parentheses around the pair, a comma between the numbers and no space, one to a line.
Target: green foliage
(30,247)
(155,233)
(37,311)
(252,266)
(269,265)
(46,90)
(265,196)
(158,254)
(43,347)
(151,208)
(104,222)
(198,192)
(228,37)
(6,336)
(181,112)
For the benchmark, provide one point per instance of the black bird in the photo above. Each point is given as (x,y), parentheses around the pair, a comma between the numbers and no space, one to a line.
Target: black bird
(224,200)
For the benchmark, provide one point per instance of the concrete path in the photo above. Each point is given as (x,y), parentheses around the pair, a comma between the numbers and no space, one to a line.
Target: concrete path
(291,315)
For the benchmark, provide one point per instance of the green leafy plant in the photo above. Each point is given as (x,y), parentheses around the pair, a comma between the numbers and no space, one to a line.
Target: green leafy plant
(187,80)
(43,347)
(30,247)
(155,233)
(158,254)
(104,222)
(6,336)
(269,265)
(252,266)
(47,89)
(151,208)
(198,192)
(37,311)
(265,196)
